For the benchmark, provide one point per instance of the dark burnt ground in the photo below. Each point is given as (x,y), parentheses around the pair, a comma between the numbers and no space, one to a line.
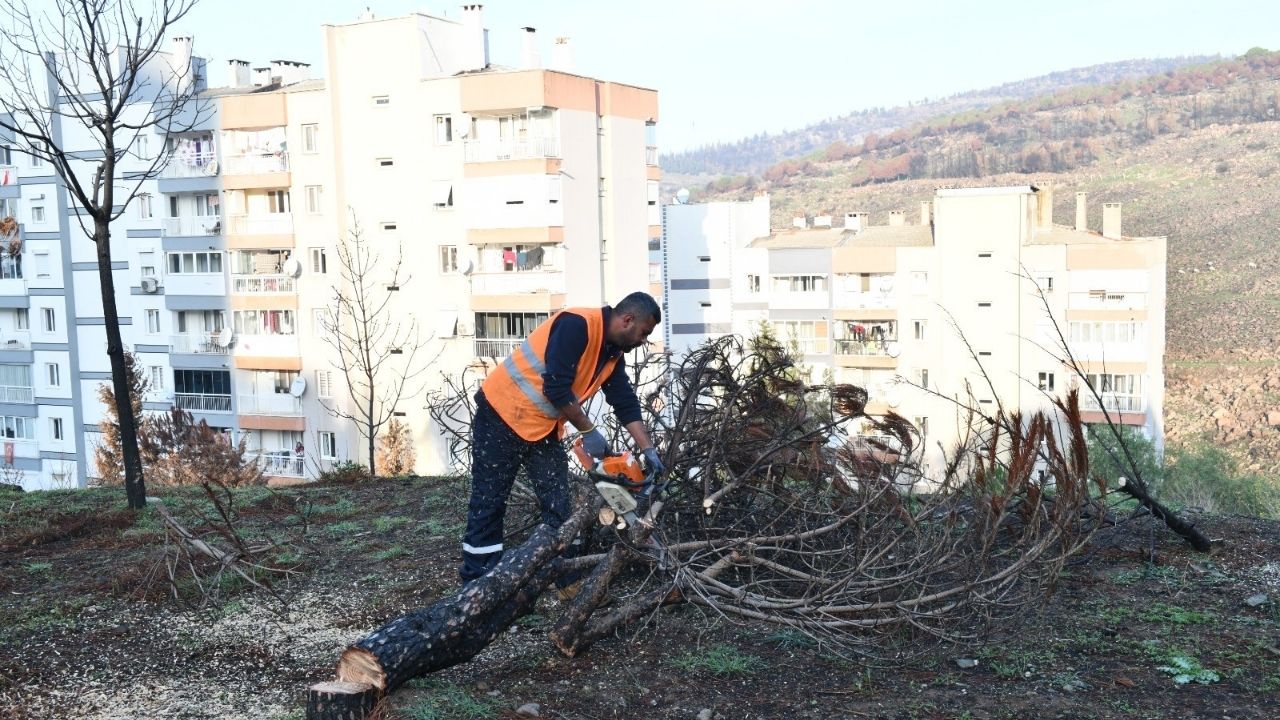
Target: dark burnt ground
(1140,626)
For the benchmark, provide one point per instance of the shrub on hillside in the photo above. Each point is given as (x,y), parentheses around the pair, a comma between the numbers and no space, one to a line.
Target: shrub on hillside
(1203,475)
(346,472)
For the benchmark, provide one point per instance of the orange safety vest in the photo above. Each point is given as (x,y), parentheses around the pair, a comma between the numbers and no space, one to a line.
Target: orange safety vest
(514,388)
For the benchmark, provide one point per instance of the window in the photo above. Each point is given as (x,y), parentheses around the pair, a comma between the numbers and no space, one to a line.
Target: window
(140,149)
(6,156)
(153,322)
(704,303)
(263,322)
(55,428)
(206,263)
(37,214)
(919,283)
(1046,381)
(704,258)
(147,264)
(324,383)
(652,192)
(922,424)
(442,194)
(918,329)
(278,201)
(207,205)
(18,428)
(313,199)
(388,226)
(448,258)
(53,374)
(37,161)
(310,138)
(319,262)
(799,283)
(984,254)
(10,265)
(21,319)
(922,377)
(50,319)
(386,162)
(753,283)
(144,207)
(8,206)
(984,305)
(1106,331)
(328,445)
(806,336)
(42,265)
(444,129)
(984,353)
(381,100)
(15,376)
(201,382)
(1045,283)
(319,323)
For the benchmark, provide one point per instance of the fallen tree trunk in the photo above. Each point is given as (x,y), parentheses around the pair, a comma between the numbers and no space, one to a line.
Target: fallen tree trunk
(453,629)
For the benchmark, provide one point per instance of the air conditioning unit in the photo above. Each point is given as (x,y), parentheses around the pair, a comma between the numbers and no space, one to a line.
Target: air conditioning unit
(466,329)
(150,285)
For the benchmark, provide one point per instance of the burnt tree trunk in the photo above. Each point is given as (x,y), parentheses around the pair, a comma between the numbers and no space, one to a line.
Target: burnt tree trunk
(456,628)
(134,487)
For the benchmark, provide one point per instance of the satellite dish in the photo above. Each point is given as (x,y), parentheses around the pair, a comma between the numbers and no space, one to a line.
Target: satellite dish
(298,386)
(892,350)
(468,267)
(224,337)
(682,196)
(292,267)
(893,397)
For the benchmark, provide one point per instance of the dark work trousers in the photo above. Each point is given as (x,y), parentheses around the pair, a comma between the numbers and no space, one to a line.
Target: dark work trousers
(497,454)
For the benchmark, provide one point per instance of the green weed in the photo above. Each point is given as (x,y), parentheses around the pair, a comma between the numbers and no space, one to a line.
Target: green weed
(1185,668)
(390,553)
(450,702)
(720,660)
(1160,612)
(386,524)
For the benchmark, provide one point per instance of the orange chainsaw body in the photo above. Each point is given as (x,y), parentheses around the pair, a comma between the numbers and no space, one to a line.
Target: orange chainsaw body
(621,469)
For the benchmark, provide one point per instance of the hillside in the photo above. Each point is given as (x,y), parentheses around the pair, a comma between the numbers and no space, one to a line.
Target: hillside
(1193,156)
(752,155)
(1139,626)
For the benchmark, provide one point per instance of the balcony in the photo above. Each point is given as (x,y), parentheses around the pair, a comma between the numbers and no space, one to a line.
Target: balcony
(651,155)
(15,340)
(262,284)
(845,346)
(496,347)
(196,344)
(865,300)
(267,345)
(191,226)
(806,346)
(260,224)
(281,404)
(497,150)
(203,402)
(511,283)
(1113,402)
(179,166)
(8,175)
(282,463)
(16,394)
(256,164)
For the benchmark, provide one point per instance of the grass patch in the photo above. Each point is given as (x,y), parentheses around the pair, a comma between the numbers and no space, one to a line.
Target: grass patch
(450,702)
(719,660)
(346,527)
(790,638)
(1174,615)
(1184,668)
(386,524)
(390,553)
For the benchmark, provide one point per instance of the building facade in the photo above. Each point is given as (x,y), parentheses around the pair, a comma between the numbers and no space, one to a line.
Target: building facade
(983,281)
(507,193)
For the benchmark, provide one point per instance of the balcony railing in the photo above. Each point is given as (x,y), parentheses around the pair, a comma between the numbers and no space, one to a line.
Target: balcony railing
(525,149)
(496,348)
(651,155)
(191,226)
(845,346)
(262,284)
(16,394)
(509,283)
(807,346)
(15,340)
(190,166)
(255,164)
(196,344)
(282,463)
(1113,402)
(203,402)
(260,224)
(274,404)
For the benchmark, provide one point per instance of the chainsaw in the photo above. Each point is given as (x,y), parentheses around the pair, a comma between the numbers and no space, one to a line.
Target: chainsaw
(620,481)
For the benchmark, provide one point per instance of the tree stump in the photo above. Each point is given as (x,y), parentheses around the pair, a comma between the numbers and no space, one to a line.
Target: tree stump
(338,700)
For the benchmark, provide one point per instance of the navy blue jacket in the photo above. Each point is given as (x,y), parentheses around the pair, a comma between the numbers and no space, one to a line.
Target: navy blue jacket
(565,346)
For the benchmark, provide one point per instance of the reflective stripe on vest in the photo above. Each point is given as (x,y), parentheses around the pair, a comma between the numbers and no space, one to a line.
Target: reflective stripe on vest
(532,394)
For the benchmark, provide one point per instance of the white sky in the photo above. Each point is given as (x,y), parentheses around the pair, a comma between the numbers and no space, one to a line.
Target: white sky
(726,69)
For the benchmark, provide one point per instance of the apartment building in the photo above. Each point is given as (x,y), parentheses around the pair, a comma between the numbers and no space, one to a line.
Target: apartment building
(985,269)
(511,192)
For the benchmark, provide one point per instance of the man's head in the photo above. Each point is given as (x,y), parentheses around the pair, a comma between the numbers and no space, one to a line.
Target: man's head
(633,319)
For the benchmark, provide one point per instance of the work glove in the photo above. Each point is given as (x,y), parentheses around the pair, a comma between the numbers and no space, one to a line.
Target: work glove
(594,443)
(654,462)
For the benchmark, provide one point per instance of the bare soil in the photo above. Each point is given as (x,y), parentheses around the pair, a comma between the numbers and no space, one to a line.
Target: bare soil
(89,627)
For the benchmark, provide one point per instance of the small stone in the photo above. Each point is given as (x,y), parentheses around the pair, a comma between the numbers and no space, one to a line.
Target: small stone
(529,710)
(494,693)
(704,714)
(1256,600)
(483,686)
(966,663)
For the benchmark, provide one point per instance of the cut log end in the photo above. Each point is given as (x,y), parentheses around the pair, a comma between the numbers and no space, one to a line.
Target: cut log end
(339,700)
(358,665)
